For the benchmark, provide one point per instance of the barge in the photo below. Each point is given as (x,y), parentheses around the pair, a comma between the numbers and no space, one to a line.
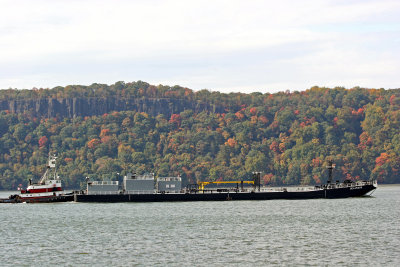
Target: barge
(148,189)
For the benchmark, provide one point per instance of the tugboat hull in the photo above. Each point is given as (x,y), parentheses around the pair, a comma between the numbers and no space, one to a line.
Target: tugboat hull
(50,199)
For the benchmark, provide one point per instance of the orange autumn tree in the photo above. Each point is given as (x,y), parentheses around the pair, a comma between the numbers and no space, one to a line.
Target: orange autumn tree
(176,119)
(93,143)
(231,142)
(43,141)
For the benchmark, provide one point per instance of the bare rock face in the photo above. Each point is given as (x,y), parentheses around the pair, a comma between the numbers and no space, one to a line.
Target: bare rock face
(92,106)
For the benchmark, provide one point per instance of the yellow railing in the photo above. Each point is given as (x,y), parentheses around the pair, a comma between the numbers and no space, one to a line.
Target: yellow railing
(203,184)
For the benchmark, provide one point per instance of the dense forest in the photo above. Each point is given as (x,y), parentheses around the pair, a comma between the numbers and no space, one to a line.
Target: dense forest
(201,135)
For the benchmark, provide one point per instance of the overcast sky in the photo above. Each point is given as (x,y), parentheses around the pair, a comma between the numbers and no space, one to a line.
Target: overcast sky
(221,45)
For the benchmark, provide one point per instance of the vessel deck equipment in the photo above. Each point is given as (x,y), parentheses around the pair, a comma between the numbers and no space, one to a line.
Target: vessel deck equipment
(203,184)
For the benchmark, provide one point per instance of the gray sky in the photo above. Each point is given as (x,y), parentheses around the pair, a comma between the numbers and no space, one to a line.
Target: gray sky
(222,45)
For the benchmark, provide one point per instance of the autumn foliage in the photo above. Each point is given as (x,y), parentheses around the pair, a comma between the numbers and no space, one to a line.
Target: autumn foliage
(231,142)
(93,143)
(176,119)
(288,136)
(43,141)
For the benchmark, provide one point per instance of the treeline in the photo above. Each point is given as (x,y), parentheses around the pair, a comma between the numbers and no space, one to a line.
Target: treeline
(289,136)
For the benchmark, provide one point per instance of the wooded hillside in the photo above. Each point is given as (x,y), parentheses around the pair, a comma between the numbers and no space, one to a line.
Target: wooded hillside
(202,135)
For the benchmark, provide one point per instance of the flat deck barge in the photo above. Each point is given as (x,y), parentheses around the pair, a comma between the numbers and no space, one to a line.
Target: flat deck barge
(339,190)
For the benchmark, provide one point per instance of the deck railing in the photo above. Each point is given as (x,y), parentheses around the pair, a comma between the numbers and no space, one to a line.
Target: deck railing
(139,192)
(103,192)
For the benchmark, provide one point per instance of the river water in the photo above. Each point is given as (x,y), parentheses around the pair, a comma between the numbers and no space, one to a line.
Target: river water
(323,232)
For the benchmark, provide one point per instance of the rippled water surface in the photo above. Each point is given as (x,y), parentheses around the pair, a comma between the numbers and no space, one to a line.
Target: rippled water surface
(356,231)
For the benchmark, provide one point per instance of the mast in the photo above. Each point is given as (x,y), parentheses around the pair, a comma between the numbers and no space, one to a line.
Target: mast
(51,165)
(330,168)
(257,180)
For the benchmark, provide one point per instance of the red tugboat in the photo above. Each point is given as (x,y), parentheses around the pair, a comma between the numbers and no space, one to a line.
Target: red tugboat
(48,189)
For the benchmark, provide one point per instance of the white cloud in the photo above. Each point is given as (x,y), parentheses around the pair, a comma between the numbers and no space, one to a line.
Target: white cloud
(220,45)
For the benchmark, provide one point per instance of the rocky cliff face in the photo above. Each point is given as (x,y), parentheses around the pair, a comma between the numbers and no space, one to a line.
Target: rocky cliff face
(74,107)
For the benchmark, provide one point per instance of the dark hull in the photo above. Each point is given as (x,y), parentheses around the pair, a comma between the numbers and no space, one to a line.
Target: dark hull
(222,196)
(50,199)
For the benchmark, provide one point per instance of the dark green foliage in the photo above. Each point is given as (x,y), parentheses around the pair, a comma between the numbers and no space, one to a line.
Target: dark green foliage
(288,136)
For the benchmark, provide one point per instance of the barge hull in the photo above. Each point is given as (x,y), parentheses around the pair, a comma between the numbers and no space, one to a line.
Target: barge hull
(224,196)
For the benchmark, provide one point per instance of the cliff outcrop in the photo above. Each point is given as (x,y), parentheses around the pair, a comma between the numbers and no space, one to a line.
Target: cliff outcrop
(92,106)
